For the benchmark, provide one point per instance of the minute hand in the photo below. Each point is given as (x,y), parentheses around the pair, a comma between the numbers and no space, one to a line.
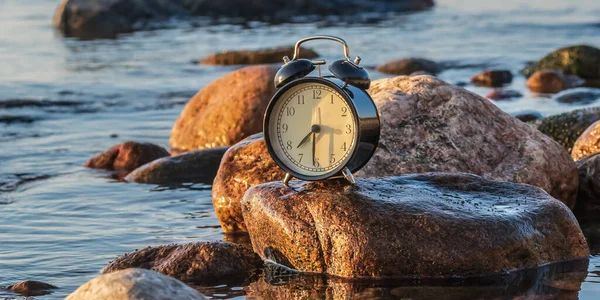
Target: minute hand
(304,139)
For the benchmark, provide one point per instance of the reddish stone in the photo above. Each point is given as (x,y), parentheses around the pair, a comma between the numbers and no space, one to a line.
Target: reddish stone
(127,156)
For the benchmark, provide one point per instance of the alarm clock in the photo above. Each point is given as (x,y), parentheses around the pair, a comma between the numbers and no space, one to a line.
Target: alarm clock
(320,127)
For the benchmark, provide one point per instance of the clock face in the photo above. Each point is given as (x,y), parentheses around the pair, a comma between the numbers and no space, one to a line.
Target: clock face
(312,130)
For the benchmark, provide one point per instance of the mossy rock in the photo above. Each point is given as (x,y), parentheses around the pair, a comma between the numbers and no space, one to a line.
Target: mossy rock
(580,60)
(565,128)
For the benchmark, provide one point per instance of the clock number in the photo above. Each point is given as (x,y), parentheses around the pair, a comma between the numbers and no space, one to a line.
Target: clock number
(300,99)
(290,111)
(301,156)
(284,127)
(332,158)
(316,162)
(289,145)
(331,98)
(344,111)
(316,94)
(344,147)
(348,128)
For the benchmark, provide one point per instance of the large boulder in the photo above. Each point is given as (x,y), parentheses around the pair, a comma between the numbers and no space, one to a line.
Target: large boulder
(254,57)
(202,263)
(226,111)
(580,60)
(135,284)
(588,198)
(198,166)
(244,165)
(127,156)
(424,225)
(565,128)
(89,19)
(408,66)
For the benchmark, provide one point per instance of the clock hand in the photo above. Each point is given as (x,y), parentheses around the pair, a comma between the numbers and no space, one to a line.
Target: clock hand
(314,145)
(313,129)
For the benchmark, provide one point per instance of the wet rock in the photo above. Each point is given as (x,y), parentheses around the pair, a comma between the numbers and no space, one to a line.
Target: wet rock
(432,225)
(552,81)
(226,111)
(580,60)
(245,164)
(31,288)
(578,96)
(428,125)
(492,78)
(90,19)
(253,57)
(134,284)
(408,66)
(566,128)
(127,156)
(588,198)
(419,73)
(528,115)
(500,94)
(198,166)
(203,263)
(588,142)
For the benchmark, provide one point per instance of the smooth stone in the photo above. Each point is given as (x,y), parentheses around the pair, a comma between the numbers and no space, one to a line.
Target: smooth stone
(201,263)
(501,94)
(588,142)
(408,66)
(580,60)
(588,197)
(135,284)
(579,96)
(127,156)
(226,111)
(425,225)
(552,81)
(198,166)
(492,78)
(565,128)
(528,115)
(31,288)
(253,57)
(245,164)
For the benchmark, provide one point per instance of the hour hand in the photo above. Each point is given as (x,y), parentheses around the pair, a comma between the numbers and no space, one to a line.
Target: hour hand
(313,129)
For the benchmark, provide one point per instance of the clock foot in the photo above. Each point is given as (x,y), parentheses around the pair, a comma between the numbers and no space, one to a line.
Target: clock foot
(348,175)
(286,179)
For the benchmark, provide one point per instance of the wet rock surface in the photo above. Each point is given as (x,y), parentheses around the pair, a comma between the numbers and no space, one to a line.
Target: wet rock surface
(408,66)
(588,142)
(492,78)
(31,288)
(580,60)
(501,94)
(244,165)
(552,81)
(578,96)
(198,166)
(134,284)
(528,115)
(226,111)
(566,128)
(127,156)
(202,263)
(253,57)
(92,19)
(424,225)
(588,198)
(428,125)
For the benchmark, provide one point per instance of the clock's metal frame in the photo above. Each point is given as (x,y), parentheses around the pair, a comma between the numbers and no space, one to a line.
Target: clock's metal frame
(367,122)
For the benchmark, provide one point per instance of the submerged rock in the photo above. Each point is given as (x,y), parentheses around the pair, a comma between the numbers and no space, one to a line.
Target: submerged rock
(203,263)
(253,57)
(552,81)
(588,198)
(580,60)
(127,156)
(492,78)
(198,166)
(135,284)
(226,111)
(578,96)
(566,128)
(528,115)
(407,66)
(425,225)
(245,164)
(501,94)
(90,19)
(31,288)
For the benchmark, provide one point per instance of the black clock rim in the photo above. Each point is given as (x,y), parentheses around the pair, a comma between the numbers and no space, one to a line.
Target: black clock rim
(270,106)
